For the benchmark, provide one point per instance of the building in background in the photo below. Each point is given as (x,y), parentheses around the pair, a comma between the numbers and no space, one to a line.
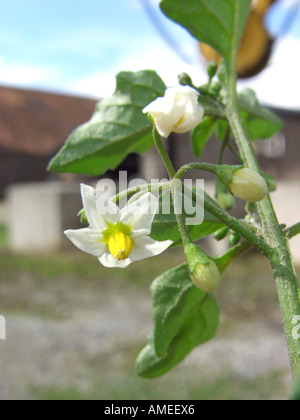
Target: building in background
(34,126)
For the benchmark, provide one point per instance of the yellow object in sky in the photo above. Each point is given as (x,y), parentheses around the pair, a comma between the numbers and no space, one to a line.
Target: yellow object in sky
(256,44)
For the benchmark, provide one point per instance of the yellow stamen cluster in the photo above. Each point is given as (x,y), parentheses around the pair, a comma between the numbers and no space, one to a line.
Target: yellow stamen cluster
(120,245)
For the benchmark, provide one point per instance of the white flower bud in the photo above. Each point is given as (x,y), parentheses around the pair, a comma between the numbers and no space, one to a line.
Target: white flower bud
(248,185)
(178,111)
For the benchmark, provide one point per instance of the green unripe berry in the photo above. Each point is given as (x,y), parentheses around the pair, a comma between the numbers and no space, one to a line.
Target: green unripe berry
(203,270)
(225,200)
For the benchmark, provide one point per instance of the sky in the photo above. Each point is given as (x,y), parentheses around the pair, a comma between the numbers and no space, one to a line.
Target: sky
(78,46)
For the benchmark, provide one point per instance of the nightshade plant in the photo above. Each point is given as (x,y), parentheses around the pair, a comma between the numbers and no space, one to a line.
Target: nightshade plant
(186,316)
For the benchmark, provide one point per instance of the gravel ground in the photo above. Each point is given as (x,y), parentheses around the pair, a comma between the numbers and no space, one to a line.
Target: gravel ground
(55,352)
(68,333)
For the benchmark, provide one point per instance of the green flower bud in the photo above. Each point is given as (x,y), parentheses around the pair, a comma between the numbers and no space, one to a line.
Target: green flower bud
(234,238)
(225,200)
(215,87)
(203,270)
(211,69)
(185,79)
(221,233)
(248,185)
(206,277)
(222,74)
(270,181)
(203,89)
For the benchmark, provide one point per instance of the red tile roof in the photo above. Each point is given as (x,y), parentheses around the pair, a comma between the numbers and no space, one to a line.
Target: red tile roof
(38,123)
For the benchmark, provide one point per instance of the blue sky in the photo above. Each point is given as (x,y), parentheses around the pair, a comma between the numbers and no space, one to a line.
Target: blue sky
(78,46)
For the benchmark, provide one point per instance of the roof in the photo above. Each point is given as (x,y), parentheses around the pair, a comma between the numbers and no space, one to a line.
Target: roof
(38,123)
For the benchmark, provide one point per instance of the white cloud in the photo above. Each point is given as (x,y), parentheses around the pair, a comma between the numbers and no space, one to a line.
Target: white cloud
(279,84)
(24,75)
(97,85)
(156,56)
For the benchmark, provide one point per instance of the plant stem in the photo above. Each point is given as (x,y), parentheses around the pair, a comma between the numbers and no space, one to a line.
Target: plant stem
(224,145)
(171,171)
(162,151)
(280,255)
(186,239)
(209,167)
(224,260)
(293,231)
(239,227)
(214,209)
(142,189)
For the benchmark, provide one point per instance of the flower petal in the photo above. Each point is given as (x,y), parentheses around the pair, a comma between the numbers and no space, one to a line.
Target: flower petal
(165,123)
(108,260)
(89,198)
(145,247)
(191,119)
(177,111)
(140,214)
(87,240)
(108,209)
(162,104)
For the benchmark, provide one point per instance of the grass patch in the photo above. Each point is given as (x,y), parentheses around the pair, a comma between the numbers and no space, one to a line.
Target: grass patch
(3,235)
(77,265)
(174,387)
(59,287)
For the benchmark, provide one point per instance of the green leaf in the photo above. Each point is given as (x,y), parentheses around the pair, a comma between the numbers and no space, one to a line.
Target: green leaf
(184,317)
(117,128)
(222,127)
(165,225)
(201,134)
(259,122)
(218,23)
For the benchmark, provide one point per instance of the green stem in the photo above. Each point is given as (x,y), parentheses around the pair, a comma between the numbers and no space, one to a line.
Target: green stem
(293,231)
(142,189)
(209,167)
(235,153)
(186,239)
(226,259)
(225,143)
(238,226)
(214,209)
(279,256)
(162,151)
(171,171)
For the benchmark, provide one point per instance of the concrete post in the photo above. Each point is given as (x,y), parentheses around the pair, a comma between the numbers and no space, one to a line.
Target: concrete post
(40,212)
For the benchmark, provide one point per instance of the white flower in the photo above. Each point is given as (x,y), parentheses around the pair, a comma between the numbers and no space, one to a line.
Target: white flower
(178,111)
(117,236)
